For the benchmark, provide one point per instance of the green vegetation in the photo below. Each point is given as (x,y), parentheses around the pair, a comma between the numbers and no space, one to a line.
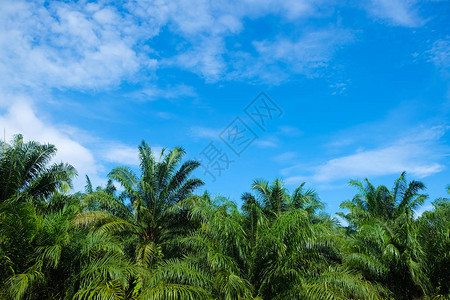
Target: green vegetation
(159,240)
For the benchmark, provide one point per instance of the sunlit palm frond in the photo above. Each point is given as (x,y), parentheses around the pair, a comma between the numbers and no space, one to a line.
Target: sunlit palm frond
(21,285)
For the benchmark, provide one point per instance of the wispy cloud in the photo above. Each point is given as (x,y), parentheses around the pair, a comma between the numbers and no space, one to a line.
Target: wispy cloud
(439,54)
(396,12)
(277,59)
(286,157)
(269,142)
(419,155)
(170,92)
(200,132)
(207,24)
(310,51)
(205,59)
(339,88)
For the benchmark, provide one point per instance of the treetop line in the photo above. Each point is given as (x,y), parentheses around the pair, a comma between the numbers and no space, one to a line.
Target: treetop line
(158,239)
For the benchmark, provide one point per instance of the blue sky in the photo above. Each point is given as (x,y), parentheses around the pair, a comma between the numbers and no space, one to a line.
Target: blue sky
(363,87)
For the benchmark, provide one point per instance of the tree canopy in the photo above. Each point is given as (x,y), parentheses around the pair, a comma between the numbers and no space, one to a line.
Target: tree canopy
(159,239)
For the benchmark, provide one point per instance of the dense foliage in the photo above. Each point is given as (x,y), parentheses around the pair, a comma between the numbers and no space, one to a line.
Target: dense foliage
(157,239)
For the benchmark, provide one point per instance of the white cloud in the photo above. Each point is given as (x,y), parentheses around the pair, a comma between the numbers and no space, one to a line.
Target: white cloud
(313,47)
(289,9)
(20,117)
(204,26)
(396,12)
(124,155)
(389,160)
(418,154)
(423,209)
(79,45)
(312,50)
(205,59)
(121,154)
(67,45)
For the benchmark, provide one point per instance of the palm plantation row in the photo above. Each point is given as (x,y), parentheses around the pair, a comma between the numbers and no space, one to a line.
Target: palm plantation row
(157,239)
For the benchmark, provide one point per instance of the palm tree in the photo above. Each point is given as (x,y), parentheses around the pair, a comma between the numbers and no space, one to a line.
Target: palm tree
(275,198)
(109,189)
(26,182)
(384,204)
(103,199)
(296,258)
(161,185)
(156,240)
(293,252)
(385,242)
(25,174)
(254,218)
(215,252)
(65,262)
(309,201)
(434,228)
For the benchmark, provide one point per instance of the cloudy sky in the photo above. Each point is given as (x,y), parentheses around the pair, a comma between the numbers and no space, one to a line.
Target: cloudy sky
(353,89)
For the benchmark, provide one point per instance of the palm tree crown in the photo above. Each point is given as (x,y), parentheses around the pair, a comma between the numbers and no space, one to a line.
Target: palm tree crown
(384,204)
(24,170)
(161,185)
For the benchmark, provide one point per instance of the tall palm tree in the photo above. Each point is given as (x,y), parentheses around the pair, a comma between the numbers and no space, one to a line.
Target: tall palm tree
(26,181)
(384,204)
(161,185)
(385,242)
